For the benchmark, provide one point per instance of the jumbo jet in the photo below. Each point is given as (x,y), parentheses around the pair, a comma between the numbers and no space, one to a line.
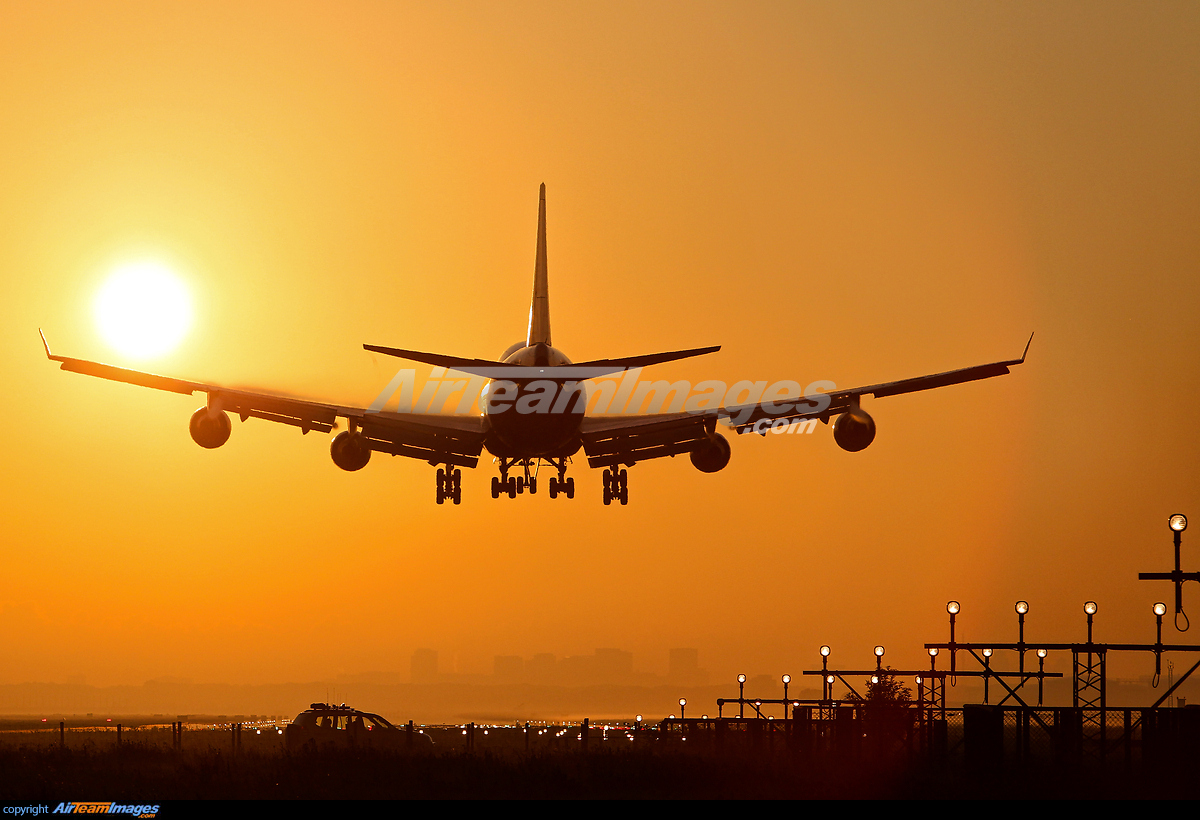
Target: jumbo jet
(550,436)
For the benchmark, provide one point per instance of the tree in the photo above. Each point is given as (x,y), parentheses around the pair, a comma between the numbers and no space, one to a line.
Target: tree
(886,690)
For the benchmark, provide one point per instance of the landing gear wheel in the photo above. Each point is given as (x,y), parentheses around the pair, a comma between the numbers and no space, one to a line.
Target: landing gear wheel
(520,484)
(570,482)
(456,481)
(623,488)
(495,487)
(608,487)
(441,486)
(553,487)
(512,487)
(532,484)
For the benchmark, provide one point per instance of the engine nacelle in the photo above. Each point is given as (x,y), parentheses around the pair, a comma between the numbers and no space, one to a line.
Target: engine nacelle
(711,455)
(853,431)
(350,451)
(210,430)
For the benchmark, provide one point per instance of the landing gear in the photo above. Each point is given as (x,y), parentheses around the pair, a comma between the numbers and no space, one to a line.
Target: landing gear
(449,485)
(566,486)
(616,486)
(512,486)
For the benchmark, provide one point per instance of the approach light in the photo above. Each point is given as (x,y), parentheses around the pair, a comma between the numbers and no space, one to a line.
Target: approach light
(825,651)
(683,701)
(879,651)
(953,607)
(874,679)
(918,680)
(1178,522)
(741,678)
(639,718)
(933,652)
(987,653)
(1160,609)
(1090,607)
(1042,653)
(787,678)
(829,679)
(1022,607)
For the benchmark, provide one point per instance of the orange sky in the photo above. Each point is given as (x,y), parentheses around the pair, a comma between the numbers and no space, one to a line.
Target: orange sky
(852,192)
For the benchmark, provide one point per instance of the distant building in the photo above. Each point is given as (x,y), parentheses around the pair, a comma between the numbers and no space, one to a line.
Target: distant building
(540,669)
(683,667)
(508,669)
(576,670)
(425,666)
(613,666)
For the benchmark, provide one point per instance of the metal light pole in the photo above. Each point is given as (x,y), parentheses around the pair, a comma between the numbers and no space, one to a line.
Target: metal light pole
(826,679)
(1022,607)
(1041,653)
(952,607)
(1160,609)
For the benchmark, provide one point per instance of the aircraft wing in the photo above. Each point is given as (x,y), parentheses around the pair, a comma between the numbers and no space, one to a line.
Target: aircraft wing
(435,438)
(612,440)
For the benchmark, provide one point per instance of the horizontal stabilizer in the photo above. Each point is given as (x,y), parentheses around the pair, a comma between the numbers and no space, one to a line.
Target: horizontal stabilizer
(501,370)
(615,365)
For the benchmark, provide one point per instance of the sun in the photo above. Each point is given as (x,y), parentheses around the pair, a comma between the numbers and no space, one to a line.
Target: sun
(143,310)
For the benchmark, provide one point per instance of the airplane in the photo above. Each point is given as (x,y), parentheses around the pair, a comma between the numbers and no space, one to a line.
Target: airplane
(525,441)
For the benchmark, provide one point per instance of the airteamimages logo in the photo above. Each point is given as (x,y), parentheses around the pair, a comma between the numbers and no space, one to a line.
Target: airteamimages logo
(94,807)
(532,392)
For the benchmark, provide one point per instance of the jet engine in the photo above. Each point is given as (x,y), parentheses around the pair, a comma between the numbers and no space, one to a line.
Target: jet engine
(350,451)
(210,429)
(853,431)
(711,455)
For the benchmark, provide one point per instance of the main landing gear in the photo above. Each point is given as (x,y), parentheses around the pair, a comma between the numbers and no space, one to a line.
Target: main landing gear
(449,484)
(566,486)
(512,486)
(616,486)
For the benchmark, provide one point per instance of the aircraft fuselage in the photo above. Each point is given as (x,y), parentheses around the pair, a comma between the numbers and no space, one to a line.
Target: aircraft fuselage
(530,418)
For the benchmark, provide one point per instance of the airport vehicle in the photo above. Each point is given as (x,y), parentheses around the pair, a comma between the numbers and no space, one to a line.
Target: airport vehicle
(552,427)
(326,723)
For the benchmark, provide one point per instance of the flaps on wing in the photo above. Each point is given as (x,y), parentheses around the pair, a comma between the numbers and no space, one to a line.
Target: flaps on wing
(306,415)
(454,440)
(608,441)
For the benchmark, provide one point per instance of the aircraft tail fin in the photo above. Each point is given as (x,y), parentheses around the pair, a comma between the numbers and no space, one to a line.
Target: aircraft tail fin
(539,307)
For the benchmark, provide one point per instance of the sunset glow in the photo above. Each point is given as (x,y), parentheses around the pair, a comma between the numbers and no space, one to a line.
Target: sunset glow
(244,194)
(143,311)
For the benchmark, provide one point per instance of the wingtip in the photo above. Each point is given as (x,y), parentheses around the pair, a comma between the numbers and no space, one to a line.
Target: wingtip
(1026,350)
(543,191)
(45,344)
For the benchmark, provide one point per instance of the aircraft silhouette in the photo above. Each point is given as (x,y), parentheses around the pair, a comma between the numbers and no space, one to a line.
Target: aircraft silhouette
(554,427)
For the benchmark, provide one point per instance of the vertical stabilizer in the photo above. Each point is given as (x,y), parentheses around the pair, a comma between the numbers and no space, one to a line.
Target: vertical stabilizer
(539,308)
